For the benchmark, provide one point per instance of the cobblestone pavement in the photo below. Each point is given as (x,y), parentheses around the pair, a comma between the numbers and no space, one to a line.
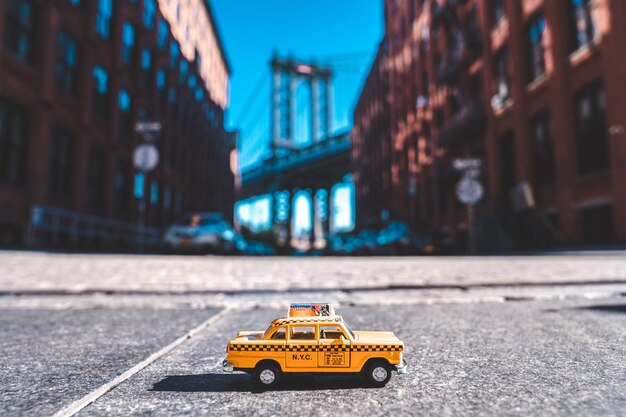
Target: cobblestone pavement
(42,272)
(132,335)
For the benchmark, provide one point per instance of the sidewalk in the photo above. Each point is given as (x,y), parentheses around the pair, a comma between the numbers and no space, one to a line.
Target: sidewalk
(42,273)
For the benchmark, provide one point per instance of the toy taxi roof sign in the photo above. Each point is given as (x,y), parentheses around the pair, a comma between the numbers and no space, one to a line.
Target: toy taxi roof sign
(311,310)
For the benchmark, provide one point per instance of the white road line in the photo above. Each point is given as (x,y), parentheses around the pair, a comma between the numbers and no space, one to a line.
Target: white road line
(80,404)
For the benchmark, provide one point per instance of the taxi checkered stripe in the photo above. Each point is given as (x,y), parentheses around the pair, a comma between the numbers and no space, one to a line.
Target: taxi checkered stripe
(307,348)
(256,348)
(333,348)
(303,348)
(377,348)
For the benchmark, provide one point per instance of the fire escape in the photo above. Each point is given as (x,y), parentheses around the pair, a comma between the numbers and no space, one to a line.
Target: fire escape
(465,46)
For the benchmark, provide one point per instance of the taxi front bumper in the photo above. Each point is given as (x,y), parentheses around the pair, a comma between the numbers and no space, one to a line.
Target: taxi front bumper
(227,367)
(403,368)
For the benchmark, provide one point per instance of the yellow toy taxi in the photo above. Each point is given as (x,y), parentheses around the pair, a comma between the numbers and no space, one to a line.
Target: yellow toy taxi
(313,339)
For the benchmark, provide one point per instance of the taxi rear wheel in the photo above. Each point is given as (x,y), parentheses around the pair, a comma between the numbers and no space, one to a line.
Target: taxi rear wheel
(266,375)
(377,373)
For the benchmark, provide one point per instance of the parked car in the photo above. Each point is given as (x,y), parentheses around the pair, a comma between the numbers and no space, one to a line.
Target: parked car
(201,233)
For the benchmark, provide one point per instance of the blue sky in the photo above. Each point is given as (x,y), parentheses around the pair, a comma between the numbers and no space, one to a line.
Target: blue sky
(344,33)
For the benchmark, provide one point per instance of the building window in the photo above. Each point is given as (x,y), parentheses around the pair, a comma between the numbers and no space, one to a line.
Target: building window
(125,119)
(174,53)
(67,64)
(146,60)
(591,129)
(171,98)
(164,31)
(183,69)
(536,35)
(199,94)
(192,82)
(128,42)
(543,149)
(149,13)
(103,18)
(502,78)
(497,12)
(161,80)
(95,179)
(13,131)
(19,30)
(582,28)
(60,165)
(146,69)
(101,93)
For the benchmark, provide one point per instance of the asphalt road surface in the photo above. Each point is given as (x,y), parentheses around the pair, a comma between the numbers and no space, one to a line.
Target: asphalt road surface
(502,349)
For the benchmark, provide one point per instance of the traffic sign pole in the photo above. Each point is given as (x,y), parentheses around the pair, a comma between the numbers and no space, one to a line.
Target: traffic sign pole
(470,191)
(471,229)
(145,159)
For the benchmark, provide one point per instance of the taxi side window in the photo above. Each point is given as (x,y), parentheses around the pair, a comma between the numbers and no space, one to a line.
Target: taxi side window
(279,334)
(331,332)
(302,333)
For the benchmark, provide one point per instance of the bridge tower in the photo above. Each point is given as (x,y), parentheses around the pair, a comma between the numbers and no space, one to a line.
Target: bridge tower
(296,169)
(286,75)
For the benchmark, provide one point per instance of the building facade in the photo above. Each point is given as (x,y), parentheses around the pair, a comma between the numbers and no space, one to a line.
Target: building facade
(371,146)
(535,90)
(76,76)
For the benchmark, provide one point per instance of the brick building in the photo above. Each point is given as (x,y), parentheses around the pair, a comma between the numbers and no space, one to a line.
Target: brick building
(75,77)
(534,89)
(371,145)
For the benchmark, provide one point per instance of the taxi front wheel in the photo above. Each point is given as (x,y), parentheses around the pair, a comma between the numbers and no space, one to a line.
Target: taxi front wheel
(266,375)
(377,373)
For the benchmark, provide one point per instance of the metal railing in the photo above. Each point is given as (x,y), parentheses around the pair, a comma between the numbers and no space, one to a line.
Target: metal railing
(60,228)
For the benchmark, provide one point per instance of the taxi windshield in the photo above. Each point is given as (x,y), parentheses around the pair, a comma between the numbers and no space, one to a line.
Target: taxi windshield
(267,333)
(349,330)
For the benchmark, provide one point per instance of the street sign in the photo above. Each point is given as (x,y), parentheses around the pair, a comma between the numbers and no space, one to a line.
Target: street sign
(148,127)
(146,157)
(469,191)
(467,164)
